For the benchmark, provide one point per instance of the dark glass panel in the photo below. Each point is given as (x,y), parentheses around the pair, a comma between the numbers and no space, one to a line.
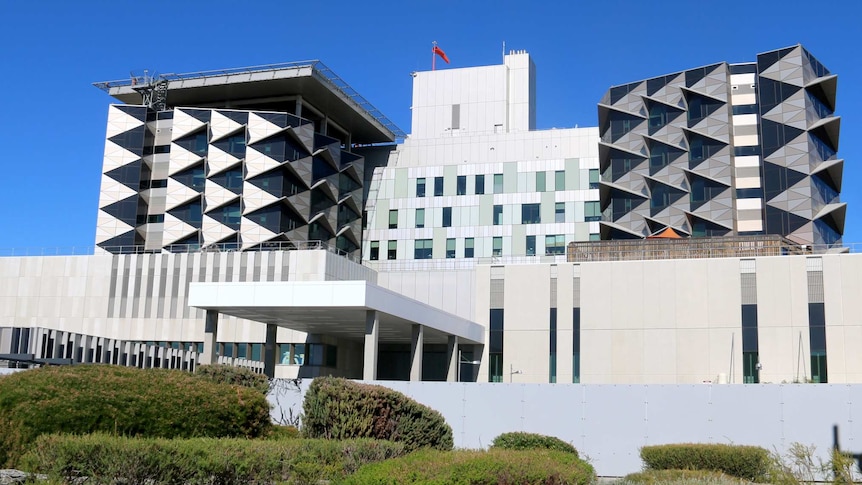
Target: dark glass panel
(230,179)
(234,144)
(193,177)
(195,142)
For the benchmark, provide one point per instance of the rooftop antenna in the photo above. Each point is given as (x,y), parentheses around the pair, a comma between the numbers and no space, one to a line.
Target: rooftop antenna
(153,90)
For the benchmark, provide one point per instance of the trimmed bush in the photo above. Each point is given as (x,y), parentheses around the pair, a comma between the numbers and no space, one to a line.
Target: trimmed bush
(336,408)
(682,477)
(284,433)
(237,376)
(125,401)
(457,467)
(110,459)
(531,441)
(746,462)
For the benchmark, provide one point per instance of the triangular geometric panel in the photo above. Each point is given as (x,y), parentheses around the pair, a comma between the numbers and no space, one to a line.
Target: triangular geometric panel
(117,156)
(257,163)
(178,194)
(219,161)
(260,128)
(128,175)
(125,210)
(181,159)
(222,126)
(175,230)
(214,231)
(216,195)
(112,191)
(120,121)
(253,233)
(254,198)
(184,123)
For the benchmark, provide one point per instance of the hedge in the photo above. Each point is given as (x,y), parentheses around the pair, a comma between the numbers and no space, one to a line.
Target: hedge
(110,459)
(746,462)
(531,441)
(238,376)
(126,401)
(495,466)
(336,408)
(681,477)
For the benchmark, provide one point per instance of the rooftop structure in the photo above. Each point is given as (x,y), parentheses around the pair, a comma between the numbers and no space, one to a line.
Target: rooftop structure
(271,87)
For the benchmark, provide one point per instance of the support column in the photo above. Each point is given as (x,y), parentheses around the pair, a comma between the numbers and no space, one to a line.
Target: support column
(209,355)
(453,357)
(269,353)
(417,342)
(372,334)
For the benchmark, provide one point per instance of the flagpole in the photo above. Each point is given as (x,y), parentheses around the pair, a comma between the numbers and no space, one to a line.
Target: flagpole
(433,55)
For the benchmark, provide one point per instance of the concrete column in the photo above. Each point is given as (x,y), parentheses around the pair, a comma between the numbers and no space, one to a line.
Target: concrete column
(417,342)
(269,351)
(372,334)
(453,372)
(209,355)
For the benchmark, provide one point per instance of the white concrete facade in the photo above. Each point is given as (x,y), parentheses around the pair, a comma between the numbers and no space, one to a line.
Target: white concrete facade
(639,322)
(475,179)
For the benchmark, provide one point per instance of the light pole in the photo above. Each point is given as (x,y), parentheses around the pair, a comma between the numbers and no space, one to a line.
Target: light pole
(462,361)
(512,372)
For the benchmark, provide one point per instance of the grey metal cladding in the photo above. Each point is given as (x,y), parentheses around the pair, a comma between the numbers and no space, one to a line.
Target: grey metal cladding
(801,169)
(667,152)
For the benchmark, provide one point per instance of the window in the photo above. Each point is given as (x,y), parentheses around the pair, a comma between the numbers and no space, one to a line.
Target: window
(461,188)
(375,251)
(498,215)
(468,247)
(531,245)
(552,358)
(530,214)
(560,212)
(438,186)
(480,184)
(420,218)
(498,183)
(555,244)
(594,178)
(422,249)
(447,217)
(497,248)
(595,237)
(560,180)
(592,211)
(450,248)
(392,250)
(540,182)
(393,219)
(420,187)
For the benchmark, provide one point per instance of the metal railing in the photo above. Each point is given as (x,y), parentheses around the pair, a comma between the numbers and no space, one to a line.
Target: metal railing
(326,74)
(697,248)
(179,248)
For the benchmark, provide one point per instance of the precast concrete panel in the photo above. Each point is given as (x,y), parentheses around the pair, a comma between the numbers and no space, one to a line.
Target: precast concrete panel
(615,425)
(745,415)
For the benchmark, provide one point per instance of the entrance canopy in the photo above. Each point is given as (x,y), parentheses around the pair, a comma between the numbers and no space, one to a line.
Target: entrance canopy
(336,308)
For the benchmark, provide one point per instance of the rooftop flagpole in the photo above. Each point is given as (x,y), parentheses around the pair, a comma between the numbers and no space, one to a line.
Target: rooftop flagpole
(433,55)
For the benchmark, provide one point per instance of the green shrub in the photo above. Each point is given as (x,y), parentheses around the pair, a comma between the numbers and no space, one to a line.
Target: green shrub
(681,477)
(125,401)
(531,441)
(509,467)
(284,433)
(237,376)
(747,462)
(111,459)
(337,408)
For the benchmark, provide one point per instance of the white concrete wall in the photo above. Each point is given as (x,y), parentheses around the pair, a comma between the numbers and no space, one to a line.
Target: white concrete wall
(609,423)
(675,321)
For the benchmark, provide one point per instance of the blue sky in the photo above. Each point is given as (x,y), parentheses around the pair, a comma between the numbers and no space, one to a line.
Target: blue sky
(53,121)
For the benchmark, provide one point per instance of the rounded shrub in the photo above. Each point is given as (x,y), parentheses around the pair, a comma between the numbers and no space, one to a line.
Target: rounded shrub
(123,401)
(336,408)
(531,441)
(238,376)
(746,462)
(458,467)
